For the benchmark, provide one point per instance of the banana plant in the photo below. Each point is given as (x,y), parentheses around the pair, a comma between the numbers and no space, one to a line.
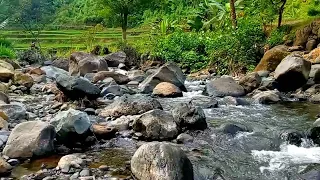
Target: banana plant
(212,14)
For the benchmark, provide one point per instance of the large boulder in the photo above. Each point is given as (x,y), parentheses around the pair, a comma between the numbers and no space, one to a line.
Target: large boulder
(161,161)
(61,63)
(169,72)
(53,72)
(272,58)
(188,116)
(71,125)
(114,59)
(6,71)
(130,105)
(22,79)
(267,97)
(292,73)
(77,87)
(304,34)
(82,63)
(250,82)
(166,89)
(28,139)
(156,125)
(224,86)
(119,78)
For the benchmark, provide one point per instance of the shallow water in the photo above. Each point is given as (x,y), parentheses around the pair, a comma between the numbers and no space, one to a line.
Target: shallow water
(260,154)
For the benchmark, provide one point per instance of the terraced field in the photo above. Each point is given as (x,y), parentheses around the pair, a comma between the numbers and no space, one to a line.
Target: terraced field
(70,39)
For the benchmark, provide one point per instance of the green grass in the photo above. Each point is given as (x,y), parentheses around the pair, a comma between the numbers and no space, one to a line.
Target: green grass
(65,40)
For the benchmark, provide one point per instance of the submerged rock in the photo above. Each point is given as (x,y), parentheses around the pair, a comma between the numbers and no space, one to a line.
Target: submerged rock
(28,139)
(292,73)
(169,72)
(267,97)
(232,129)
(161,161)
(156,125)
(222,87)
(130,105)
(189,117)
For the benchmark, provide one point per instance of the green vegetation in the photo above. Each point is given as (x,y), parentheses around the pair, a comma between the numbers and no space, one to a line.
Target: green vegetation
(6,49)
(225,35)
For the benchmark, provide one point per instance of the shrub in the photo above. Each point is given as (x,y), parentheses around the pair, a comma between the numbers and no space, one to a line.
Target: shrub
(6,52)
(277,36)
(5,43)
(186,49)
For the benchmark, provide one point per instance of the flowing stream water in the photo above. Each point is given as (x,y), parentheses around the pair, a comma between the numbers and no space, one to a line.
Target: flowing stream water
(260,154)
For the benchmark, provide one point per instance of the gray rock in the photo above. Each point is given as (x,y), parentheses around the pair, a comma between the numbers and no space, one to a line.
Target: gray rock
(74,176)
(71,124)
(189,117)
(15,111)
(184,138)
(292,73)
(70,161)
(77,87)
(28,139)
(53,72)
(250,82)
(222,87)
(85,173)
(164,161)
(156,125)
(169,72)
(82,63)
(232,129)
(114,59)
(130,105)
(267,97)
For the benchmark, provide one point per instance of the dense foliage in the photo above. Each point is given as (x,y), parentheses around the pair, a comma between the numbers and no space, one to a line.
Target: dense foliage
(227,35)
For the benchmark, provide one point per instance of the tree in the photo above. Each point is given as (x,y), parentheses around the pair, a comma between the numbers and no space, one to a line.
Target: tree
(281,10)
(7,9)
(233,14)
(121,9)
(34,15)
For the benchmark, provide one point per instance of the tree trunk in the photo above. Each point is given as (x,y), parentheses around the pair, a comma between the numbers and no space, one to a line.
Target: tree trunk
(124,26)
(281,10)
(233,14)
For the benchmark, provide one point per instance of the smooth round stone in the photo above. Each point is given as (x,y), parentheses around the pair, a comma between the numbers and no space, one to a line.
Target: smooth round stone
(85,173)
(104,168)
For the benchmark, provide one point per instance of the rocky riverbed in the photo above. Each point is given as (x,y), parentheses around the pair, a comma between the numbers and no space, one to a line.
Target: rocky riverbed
(101,118)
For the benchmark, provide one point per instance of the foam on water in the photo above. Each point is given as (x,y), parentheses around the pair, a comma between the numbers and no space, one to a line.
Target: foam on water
(289,155)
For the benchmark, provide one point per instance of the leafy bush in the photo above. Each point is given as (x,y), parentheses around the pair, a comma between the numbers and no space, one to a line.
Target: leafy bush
(226,50)
(6,52)
(277,36)
(5,43)
(313,12)
(186,49)
(240,48)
